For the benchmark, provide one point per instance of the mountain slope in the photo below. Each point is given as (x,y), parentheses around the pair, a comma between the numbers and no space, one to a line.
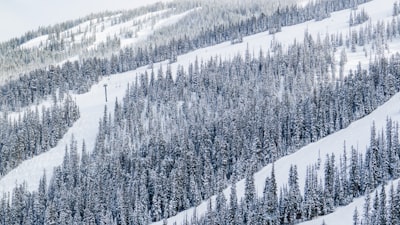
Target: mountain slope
(27,15)
(92,104)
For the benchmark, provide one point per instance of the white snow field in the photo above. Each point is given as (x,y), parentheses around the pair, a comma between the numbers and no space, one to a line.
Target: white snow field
(91,106)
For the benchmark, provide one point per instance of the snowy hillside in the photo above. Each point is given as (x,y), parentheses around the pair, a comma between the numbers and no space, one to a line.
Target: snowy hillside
(137,29)
(27,15)
(118,83)
(100,30)
(105,33)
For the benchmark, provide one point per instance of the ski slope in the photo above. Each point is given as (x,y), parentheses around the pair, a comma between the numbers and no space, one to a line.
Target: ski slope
(92,104)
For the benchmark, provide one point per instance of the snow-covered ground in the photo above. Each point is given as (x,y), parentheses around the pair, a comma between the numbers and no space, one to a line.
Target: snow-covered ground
(357,134)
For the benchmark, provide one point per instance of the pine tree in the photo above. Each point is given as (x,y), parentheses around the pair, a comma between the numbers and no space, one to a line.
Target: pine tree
(354,174)
(366,215)
(396,204)
(375,177)
(329,182)
(220,208)
(391,215)
(355,217)
(382,212)
(233,204)
(395,9)
(270,200)
(250,197)
(295,198)
(375,210)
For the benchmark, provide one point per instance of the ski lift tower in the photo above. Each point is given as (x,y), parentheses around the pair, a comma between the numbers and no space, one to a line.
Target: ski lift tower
(105,91)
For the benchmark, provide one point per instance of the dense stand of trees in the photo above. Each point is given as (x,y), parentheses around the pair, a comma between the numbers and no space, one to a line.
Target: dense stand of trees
(34,132)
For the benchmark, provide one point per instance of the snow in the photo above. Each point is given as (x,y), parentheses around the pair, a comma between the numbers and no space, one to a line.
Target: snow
(91,106)
(303,3)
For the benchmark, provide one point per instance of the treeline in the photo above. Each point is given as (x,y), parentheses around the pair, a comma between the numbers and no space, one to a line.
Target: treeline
(34,132)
